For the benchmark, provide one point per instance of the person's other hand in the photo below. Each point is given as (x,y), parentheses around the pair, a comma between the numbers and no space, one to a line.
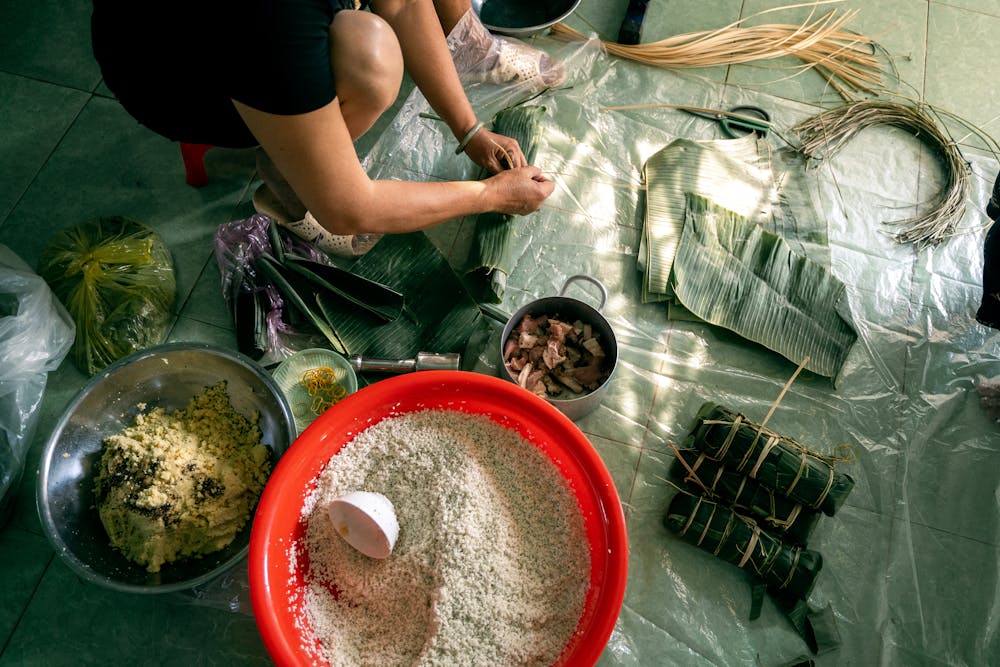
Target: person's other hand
(521,190)
(495,152)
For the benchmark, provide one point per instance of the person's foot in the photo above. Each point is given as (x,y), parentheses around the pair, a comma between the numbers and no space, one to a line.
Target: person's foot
(307,228)
(281,192)
(513,62)
(482,57)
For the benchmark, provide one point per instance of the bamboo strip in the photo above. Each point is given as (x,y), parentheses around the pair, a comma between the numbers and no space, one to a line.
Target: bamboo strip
(845,59)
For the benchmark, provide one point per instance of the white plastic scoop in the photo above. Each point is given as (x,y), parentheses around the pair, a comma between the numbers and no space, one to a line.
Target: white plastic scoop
(366,521)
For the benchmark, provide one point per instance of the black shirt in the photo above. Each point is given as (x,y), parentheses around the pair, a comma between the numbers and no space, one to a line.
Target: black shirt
(175,65)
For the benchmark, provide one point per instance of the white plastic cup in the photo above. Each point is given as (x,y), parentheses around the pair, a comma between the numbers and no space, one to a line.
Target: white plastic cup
(367,521)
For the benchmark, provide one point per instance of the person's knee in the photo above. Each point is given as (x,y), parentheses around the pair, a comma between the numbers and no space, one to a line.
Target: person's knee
(366,59)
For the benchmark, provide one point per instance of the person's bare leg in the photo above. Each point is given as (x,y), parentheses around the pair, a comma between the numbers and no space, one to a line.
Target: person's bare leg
(368,69)
(450,11)
(367,66)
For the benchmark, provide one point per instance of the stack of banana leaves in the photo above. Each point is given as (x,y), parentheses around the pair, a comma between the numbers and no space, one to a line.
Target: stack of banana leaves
(706,253)
(753,497)
(399,299)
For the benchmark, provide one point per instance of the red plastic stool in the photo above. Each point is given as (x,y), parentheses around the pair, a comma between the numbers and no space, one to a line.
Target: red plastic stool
(194,163)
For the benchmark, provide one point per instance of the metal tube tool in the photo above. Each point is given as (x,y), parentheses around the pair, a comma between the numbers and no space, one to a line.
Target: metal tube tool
(425,361)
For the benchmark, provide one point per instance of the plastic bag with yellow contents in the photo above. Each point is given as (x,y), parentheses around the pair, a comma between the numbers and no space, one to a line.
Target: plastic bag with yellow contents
(116,278)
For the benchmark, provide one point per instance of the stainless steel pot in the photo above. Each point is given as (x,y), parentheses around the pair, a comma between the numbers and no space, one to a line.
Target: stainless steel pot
(522,18)
(570,309)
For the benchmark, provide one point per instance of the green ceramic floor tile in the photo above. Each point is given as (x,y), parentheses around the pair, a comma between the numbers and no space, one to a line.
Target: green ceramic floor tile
(990,7)
(72,622)
(206,302)
(964,41)
(621,461)
(897,25)
(24,556)
(34,115)
(61,388)
(939,594)
(622,414)
(188,329)
(103,90)
(663,19)
(108,164)
(951,444)
(48,40)
(601,16)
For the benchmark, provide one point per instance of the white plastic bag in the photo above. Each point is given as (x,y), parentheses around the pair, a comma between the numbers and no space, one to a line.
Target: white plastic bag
(36,333)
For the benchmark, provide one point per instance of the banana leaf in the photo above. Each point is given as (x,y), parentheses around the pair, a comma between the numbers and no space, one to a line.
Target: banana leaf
(248,312)
(779,515)
(732,273)
(491,256)
(439,316)
(776,462)
(789,571)
(378,300)
(732,172)
(295,289)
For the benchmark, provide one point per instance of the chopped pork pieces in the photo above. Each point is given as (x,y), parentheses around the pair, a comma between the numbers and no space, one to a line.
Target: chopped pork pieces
(548,356)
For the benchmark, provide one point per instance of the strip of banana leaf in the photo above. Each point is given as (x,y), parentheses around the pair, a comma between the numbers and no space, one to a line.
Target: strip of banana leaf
(293,287)
(248,316)
(380,301)
(732,172)
(777,514)
(789,571)
(440,315)
(776,462)
(732,273)
(491,254)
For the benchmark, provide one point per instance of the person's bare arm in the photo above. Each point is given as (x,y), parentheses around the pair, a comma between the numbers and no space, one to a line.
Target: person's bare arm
(315,153)
(427,59)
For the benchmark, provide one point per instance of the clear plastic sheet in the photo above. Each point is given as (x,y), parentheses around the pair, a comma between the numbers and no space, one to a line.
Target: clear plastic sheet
(911,562)
(36,333)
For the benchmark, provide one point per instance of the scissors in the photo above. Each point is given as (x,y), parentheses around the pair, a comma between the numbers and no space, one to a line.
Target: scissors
(738,121)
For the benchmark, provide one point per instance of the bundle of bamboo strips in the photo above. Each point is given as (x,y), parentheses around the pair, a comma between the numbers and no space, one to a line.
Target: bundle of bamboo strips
(824,134)
(845,59)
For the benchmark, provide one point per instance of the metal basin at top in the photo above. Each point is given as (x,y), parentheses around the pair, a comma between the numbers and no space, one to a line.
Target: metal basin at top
(521,18)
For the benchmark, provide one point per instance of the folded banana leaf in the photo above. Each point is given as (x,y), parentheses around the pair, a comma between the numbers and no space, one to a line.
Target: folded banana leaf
(439,315)
(303,296)
(732,273)
(779,515)
(776,462)
(789,571)
(491,256)
(374,298)
(248,312)
(732,172)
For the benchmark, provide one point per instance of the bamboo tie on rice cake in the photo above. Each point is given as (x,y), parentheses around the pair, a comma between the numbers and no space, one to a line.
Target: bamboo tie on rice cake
(788,571)
(492,252)
(776,513)
(776,462)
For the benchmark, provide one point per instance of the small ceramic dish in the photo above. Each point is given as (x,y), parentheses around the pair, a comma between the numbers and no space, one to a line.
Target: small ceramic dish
(313,380)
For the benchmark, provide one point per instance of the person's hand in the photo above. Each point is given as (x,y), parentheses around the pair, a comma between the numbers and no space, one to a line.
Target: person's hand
(495,152)
(521,190)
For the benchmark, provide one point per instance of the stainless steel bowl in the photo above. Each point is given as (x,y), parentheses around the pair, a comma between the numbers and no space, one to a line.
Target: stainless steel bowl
(522,18)
(165,376)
